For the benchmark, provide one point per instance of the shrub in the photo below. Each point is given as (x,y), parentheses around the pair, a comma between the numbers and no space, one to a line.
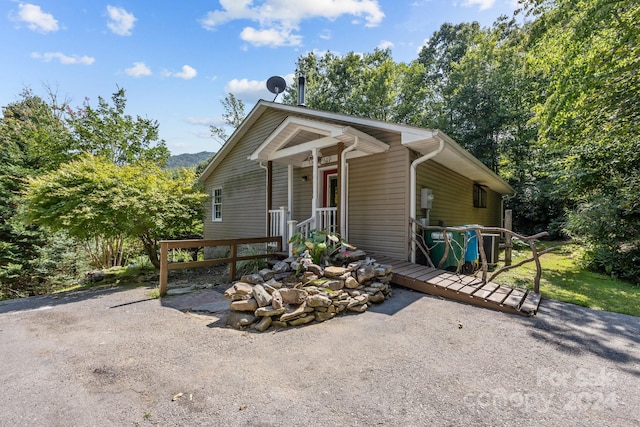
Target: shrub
(319,246)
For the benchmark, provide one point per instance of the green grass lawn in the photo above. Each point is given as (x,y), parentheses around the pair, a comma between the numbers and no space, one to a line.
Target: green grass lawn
(563,279)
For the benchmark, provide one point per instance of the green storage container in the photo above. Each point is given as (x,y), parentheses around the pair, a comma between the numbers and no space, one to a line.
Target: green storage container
(435,241)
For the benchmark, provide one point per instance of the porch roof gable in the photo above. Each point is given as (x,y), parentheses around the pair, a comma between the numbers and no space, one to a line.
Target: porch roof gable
(283,145)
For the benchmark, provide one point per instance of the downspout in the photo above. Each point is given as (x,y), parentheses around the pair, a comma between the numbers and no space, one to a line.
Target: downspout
(343,187)
(266,199)
(413,185)
(316,182)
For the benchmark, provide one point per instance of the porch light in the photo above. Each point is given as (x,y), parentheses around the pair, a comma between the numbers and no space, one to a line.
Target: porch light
(304,178)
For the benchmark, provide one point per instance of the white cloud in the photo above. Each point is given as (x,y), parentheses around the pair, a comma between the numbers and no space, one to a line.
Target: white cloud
(270,37)
(278,19)
(35,18)
(187,73)
(484,4)
(120,21)
(240,86)
(139,69)
(201,121)
(325,34)
(384,44)
(64,59)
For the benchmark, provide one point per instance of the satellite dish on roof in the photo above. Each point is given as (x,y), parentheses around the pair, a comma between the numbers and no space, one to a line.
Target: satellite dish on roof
(277,85)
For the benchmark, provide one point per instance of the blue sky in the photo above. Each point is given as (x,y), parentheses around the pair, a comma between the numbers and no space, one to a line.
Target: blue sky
(178,60)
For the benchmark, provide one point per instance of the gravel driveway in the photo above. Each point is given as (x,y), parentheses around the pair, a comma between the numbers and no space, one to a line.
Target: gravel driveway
(117,357)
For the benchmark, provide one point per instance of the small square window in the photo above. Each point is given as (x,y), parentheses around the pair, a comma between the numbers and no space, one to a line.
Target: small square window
(216,205)
(479,196)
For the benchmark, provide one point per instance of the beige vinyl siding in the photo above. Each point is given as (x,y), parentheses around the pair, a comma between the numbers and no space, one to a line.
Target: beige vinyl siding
(453,198)
(279,183)
(243,185)
(302,193)
(378,204)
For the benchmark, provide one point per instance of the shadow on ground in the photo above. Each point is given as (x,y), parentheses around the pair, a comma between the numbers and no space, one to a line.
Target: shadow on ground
(576,330)
(52,300)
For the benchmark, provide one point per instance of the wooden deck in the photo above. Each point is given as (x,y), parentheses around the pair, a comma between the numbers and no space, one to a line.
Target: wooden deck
(462,288)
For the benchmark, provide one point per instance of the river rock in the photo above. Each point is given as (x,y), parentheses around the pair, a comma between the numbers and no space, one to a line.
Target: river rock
(334,272)
(268,311)
(239,290)
(266,273)
(378,297)
(279,324)
(299,311)
(315,269)
(321,317)
(273,283)
(263,324)
(253,279)
(244,305)
(382,270)
(293,296)
(240,320)
(365,273)
(276,299)
(302,320)
(309,276)
(281,267)
(334,284)
(261,296)
(358,308)
(359,300)
(318,301)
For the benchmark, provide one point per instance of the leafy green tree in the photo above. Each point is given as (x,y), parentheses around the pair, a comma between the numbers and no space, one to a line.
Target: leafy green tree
(590,52)
(233,117)
(101,204)
(359,84)
(33,139)
(108,131)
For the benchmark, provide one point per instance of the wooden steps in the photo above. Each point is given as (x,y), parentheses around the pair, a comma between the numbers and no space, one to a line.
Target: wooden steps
(468,289)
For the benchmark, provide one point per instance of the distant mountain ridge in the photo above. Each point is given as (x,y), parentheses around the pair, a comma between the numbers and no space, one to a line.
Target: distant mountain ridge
(188,160)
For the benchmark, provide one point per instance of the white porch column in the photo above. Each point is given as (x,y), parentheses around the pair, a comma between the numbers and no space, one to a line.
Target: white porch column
(314,200)
(343,188)
(284,230)
(290,188)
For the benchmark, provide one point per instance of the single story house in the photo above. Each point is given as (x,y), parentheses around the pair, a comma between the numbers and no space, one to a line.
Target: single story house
(295,168)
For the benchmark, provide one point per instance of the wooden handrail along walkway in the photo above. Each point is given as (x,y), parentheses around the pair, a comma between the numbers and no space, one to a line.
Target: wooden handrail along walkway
(232,259)
(481,291)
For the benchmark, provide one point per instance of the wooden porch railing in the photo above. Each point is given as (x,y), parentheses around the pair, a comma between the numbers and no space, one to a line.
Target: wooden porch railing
(478,231)
(278,219)
(232,259)
(327,219)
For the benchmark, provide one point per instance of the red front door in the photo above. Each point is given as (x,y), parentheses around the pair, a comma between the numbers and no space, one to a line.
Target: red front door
(330,188)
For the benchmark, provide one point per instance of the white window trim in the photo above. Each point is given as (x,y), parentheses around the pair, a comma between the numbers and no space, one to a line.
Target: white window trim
(216,207)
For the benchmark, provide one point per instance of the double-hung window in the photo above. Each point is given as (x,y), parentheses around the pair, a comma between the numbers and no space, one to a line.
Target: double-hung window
(479,196)
(216,204)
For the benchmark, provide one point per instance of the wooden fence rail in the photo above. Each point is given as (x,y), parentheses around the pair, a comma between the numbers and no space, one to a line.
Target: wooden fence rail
(275,242)
(418,236)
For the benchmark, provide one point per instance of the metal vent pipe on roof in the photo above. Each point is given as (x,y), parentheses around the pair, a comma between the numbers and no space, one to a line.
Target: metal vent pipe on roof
(301,87)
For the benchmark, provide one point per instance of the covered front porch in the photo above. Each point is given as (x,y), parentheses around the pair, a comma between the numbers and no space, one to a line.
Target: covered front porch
(323,150)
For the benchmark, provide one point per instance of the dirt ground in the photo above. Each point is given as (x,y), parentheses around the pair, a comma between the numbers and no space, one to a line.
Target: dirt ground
(118,357)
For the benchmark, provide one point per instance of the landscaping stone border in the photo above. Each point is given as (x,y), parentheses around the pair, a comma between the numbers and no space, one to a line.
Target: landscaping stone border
(296,292)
